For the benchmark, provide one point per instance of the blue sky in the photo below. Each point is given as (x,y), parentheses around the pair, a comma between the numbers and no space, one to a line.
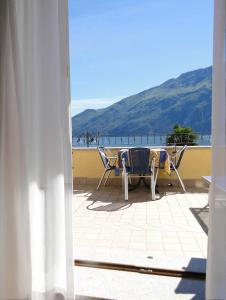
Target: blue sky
(122,47)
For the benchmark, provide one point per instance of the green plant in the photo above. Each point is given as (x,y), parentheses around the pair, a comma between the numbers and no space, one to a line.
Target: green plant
(182,136)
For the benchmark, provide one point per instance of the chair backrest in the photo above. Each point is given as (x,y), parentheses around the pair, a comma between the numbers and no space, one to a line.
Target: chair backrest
(179,154)
(103,156)
(139,159)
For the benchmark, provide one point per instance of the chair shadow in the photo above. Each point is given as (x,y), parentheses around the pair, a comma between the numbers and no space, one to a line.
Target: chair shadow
(108,207)
(193,286)
(110,198)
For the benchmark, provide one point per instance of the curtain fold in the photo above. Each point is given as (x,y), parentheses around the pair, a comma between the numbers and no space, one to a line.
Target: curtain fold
(216,259)
(36,255)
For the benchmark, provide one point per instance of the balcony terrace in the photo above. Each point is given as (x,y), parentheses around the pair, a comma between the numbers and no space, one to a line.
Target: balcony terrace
(166,232)
(170,232)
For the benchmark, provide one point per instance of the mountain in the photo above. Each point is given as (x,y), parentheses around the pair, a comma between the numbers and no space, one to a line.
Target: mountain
(185,100)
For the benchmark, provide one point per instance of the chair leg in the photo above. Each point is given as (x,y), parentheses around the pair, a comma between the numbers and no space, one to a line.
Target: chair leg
(101,179)
(178,175)
(181,182)
(156,175)
(126,186)
(153,181)
(109,173)
(153,187)
(150,184)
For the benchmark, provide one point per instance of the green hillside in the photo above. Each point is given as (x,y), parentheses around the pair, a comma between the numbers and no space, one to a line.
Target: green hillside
(185,100)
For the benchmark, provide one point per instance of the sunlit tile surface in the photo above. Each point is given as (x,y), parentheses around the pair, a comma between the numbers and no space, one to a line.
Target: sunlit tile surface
(106,227)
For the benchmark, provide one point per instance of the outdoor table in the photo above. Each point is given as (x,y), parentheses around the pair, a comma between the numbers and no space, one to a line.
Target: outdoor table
(159,159)
(160,156)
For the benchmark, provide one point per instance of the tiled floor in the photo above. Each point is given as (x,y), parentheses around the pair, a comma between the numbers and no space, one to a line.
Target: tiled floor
(98,284)
(163,232)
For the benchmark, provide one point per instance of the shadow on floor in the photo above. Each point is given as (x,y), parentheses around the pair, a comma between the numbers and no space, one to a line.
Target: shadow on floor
(193,286)
(111,198)
(115,201)
(202,216)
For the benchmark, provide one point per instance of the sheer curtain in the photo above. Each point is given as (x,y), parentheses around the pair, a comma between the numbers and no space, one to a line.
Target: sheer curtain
(36,259)
(216,263)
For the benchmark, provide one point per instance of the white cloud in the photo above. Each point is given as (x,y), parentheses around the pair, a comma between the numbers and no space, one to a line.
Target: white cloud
(80,105)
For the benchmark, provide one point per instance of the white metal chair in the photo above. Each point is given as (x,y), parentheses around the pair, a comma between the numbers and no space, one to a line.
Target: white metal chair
(109,162)
(137,165)
(175,161)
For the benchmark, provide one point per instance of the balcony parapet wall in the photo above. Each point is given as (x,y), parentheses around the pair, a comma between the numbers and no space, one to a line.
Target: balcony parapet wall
(196,162)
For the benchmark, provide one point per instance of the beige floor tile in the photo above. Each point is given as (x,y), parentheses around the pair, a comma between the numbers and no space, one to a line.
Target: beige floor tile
(89,236)
(170,240)
(120,244)
(172,247)
(163,227)
(136,245)
(122,238)
(174,253)
(102,243)
(86,243)
(155,247)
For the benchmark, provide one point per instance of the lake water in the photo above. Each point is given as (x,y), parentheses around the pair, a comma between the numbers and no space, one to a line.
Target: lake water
(129,141)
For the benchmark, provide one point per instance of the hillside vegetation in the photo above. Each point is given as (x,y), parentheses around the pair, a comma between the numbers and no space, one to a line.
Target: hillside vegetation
(185,100)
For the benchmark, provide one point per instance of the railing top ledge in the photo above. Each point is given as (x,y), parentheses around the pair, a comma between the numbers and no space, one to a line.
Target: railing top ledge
(154,147)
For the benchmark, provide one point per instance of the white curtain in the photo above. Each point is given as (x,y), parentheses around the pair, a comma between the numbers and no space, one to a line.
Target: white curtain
(216,262)
(36,258)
